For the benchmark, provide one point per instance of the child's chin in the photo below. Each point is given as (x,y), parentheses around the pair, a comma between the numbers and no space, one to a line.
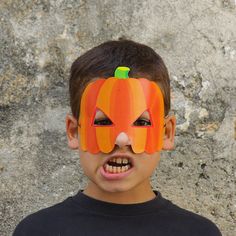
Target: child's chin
(117,188)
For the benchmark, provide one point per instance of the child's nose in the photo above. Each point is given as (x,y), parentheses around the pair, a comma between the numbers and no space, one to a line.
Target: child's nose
(122,140)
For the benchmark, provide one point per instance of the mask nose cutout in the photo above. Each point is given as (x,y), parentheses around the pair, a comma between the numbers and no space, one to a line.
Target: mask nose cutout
(122,139)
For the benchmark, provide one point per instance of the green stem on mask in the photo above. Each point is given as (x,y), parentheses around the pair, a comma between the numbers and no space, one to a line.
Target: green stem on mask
(122,72)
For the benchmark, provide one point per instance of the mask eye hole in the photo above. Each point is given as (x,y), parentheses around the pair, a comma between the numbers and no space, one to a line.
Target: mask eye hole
(101,119)
(143,120)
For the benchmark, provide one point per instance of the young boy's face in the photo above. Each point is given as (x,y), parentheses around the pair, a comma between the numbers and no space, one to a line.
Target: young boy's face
(143,165)
(122,168)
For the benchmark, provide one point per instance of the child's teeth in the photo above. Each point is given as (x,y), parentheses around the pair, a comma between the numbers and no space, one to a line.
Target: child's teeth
(120,160)
(116,169)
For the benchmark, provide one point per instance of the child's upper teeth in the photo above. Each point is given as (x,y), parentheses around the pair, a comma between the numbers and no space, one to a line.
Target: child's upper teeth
(120,160)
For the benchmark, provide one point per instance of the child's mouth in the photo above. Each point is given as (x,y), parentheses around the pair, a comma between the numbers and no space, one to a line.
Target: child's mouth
(116,168)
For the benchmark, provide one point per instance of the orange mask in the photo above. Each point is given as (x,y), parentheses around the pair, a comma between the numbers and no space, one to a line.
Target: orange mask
(123,100)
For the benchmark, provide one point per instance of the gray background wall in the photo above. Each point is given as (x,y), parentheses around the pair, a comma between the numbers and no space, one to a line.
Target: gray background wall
(39,40)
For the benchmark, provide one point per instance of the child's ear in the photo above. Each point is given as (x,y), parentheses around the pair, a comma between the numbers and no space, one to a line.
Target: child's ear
(72,131)
(169,133)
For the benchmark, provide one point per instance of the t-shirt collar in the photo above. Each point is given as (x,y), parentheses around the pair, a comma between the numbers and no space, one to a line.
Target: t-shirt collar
(107,208)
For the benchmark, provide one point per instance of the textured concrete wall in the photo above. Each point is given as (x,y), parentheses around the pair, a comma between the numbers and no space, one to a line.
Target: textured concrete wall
(39,40)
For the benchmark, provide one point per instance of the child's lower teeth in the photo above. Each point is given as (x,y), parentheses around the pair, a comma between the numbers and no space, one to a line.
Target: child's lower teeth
(116,169)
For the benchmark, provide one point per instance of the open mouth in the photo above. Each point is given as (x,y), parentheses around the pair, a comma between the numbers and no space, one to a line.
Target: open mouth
(118,165)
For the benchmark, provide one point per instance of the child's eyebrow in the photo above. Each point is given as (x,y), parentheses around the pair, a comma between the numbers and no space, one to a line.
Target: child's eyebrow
(100,114)
(145,114)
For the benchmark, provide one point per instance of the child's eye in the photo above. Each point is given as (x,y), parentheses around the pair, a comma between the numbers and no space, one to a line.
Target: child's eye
(101,119)
(142,122)
(104,121)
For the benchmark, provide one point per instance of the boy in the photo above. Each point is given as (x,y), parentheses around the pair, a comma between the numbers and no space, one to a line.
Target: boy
(119,125)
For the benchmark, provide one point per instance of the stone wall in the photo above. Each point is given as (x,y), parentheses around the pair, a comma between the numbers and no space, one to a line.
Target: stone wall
(39,39)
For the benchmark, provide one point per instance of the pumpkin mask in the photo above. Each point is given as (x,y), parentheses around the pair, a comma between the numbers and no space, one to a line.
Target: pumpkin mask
(122,100)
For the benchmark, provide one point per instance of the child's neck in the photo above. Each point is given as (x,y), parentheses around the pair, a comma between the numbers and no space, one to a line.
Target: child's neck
(138,194)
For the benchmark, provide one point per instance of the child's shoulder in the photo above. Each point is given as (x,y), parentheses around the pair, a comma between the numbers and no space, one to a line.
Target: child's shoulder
(40,222)
(193,223)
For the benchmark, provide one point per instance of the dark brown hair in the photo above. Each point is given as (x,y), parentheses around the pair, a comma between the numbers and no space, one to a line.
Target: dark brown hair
(101,61)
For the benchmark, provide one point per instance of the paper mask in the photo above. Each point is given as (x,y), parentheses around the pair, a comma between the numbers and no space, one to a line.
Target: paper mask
(123,100)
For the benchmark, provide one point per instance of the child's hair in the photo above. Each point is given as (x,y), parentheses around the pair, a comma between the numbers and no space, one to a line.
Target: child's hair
(101,61)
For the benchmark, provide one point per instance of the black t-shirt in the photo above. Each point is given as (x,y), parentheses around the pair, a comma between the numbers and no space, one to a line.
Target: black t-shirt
(83,215)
